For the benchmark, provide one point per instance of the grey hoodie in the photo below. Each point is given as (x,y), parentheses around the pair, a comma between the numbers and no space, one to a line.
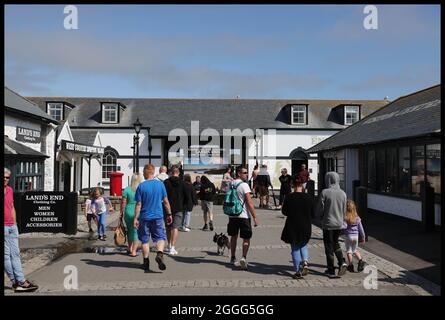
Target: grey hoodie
(332,203)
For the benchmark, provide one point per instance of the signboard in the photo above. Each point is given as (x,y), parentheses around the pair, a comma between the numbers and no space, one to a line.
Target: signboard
(81,148)
(28,135)
(46,212)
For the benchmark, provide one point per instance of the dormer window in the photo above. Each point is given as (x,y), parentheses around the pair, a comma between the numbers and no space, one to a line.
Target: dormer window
(110,113)
(352,114)
(299,114)
(55,110)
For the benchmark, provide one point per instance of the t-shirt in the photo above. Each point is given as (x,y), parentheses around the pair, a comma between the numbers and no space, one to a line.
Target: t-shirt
(242,190)
(150,194)
(100,204)
(9,203)
(88,206)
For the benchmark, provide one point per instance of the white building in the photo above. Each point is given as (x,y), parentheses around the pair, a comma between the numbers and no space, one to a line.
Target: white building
(283,129)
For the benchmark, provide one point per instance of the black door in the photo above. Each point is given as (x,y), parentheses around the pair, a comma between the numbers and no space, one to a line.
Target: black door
(66,177)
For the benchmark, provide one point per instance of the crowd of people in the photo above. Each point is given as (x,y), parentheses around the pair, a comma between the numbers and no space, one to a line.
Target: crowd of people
(156,207)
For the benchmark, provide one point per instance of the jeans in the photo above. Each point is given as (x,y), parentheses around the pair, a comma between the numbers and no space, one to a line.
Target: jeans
(186,219)
(101,224)
(299,254)
(331,247)
(13,265)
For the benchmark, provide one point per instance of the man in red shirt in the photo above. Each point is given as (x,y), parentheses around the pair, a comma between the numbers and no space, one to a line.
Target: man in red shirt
(13,265)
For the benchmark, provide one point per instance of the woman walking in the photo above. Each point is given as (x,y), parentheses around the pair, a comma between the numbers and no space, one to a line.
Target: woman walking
(127,212)
(299,208)
(254,185)
(227,179)
(192,200)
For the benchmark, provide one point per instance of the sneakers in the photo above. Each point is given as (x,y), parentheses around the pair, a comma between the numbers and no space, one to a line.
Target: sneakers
(232,260)
(25,286)
(243,263)
(205,228)
(146,264)
(298,275)
(167,248)
(173,252)
(160,260)
(211,225)
(342,269)
(187,229)
(330,273)
(305,269)
(351,268)
(360,266)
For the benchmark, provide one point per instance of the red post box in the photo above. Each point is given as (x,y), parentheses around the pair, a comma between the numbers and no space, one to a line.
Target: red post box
(116,183)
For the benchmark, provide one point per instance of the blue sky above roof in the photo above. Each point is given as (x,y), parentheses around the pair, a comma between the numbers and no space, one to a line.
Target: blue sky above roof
(221,51)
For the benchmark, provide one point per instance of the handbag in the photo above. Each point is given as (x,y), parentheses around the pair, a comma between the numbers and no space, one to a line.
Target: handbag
(120,234)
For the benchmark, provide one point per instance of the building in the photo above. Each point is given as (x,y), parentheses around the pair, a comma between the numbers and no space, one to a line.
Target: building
(390,153)
(273,132)
(29,144)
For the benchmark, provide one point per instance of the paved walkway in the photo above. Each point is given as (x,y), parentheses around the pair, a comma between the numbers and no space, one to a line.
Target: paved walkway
(104,269)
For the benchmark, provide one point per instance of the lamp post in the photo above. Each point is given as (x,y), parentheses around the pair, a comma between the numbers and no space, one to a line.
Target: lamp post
(150,147)
(137,128)
(257,140)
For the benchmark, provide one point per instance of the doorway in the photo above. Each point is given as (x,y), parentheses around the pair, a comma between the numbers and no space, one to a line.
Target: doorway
(66,177)
(298,157)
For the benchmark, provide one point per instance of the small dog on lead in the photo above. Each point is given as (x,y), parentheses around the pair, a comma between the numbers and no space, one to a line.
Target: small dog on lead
(222,241)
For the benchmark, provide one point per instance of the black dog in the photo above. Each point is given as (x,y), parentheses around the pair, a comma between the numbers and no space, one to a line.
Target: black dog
(222,241)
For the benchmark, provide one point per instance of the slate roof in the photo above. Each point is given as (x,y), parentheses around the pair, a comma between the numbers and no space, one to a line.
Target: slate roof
(12,147)
(17,103)
(413,115)
(163,115)
(84,136)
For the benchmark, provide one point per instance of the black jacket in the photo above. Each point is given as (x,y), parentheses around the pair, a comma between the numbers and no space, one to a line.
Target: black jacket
(286,182)
(192,197)
(207,191)
(177,194)
(299,208)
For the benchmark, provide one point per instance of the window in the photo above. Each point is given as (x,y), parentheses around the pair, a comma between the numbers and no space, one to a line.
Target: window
(55,110)
(391,170)
(109,113)
(380,170)
(109,163)
(417,168)
(433,166)
(28,176)
(299,114)
(371,170)
(352,114)
(404,184)
(331,164)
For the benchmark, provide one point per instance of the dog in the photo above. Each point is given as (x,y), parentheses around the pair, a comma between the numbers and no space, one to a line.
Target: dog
(222,242)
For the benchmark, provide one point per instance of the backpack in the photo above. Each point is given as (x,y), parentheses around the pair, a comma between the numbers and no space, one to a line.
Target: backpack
(232,205)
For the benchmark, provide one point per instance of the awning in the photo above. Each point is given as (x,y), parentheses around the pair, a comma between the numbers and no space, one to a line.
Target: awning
(14,148)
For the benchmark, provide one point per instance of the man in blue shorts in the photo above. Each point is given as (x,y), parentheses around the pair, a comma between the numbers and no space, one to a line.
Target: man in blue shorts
(150,195)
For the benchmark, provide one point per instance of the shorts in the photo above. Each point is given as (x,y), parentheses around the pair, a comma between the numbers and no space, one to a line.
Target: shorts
(206,206)
(263,191)
(351,243)
(177,220)
(154,228)
(241,226)
(90,217)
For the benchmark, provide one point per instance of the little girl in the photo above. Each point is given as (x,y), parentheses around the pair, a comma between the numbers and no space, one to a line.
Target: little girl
(99,205)
(352,229)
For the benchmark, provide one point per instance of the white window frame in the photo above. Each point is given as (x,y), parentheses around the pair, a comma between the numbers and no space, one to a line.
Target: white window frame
(356,111)
(106,108)
(51,106)
(293,111)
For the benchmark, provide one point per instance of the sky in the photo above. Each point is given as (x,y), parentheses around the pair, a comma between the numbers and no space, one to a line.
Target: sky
(222,51)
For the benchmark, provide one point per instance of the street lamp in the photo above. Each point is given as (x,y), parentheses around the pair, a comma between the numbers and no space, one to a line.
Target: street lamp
(257,140)
(150,147)
(137,128)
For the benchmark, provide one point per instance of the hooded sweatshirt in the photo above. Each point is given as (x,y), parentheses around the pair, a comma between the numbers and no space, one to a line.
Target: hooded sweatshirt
(332,203)
(177,194)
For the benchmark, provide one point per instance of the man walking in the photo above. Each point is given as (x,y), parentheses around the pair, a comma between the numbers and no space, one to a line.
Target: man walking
(150,195)
(241,225)
(13,265)
(178,197)
(263,182)
(332,209)
(162,176)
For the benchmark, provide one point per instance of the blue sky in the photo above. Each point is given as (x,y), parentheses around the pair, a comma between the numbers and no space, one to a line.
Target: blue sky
(221,51)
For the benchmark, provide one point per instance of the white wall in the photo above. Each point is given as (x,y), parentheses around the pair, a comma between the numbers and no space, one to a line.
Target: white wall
(407,208)
(122,141)
(11,124)
(288,140)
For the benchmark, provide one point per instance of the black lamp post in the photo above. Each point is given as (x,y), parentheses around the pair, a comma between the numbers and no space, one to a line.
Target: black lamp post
(137,128)
(257,140)
(150,147)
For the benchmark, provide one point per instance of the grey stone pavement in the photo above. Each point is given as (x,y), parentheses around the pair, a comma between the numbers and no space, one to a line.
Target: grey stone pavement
(104,269)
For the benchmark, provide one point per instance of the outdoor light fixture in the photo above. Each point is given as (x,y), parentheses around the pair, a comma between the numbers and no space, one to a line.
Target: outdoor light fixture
(137,128)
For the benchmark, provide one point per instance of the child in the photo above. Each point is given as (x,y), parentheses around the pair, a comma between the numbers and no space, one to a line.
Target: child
(352,229)
(89,211)
(100,209)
